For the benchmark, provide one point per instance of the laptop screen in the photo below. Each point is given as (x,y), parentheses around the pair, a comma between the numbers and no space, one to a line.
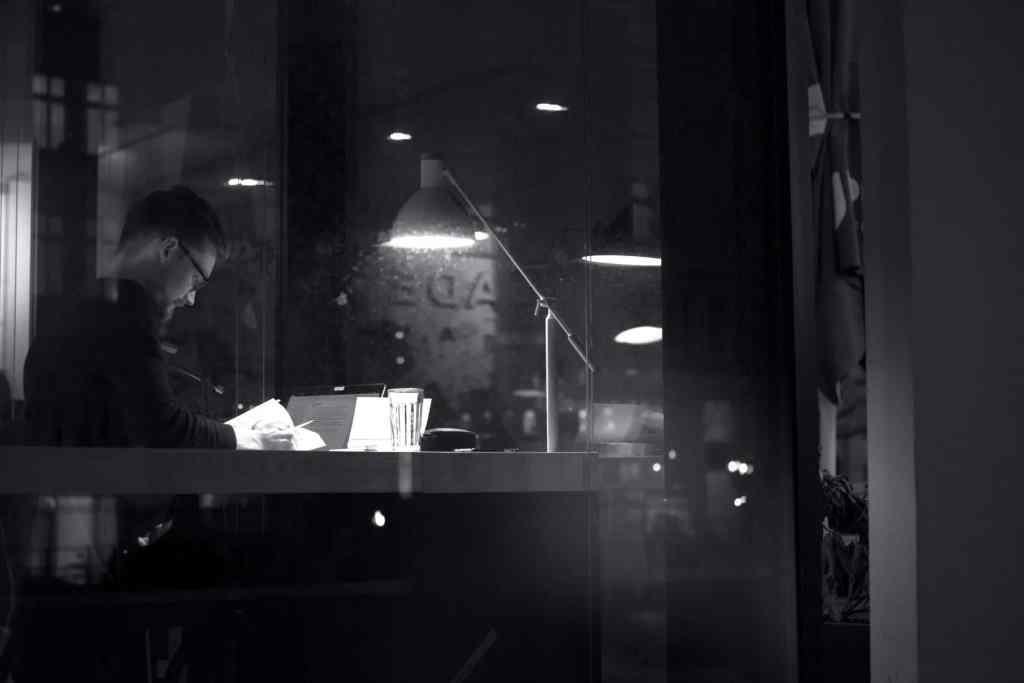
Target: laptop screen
(332,414)
(371,389)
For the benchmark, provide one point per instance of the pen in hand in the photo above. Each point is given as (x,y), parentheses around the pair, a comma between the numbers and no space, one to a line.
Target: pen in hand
(304,424)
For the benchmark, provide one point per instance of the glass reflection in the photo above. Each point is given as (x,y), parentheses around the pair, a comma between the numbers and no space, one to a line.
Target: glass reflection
(305,127)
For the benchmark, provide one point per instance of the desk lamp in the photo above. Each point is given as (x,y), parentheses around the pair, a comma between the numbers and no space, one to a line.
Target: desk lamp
(433,219)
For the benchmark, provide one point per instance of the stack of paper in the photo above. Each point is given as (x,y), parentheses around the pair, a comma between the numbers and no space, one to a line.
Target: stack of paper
(371,424)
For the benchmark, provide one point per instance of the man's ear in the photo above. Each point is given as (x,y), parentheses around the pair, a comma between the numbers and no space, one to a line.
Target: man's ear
(167,247)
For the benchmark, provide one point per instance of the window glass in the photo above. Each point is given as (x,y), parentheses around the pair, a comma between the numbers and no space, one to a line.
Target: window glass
(408,190)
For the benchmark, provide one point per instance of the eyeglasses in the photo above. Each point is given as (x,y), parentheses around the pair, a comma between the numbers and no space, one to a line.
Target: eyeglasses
(199,285)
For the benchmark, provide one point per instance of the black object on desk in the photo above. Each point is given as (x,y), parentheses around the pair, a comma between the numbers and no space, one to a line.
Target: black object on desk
(448,439)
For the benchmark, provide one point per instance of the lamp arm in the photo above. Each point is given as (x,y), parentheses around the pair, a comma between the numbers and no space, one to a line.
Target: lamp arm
(542,300)
(573,340)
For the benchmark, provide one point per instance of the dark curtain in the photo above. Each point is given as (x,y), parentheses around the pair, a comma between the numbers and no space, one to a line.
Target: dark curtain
(835,180)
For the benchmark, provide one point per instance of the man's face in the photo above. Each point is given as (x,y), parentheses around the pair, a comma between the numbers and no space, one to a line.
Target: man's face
(186,269)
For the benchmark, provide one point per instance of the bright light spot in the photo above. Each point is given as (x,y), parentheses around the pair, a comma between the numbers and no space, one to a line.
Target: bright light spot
(624,260)
(429,242)
(399,334)
(378,518)
(248,182)
(56,8)
(645,334)
(740,467)
(400,360)
(672,454)
(740,502)
(399,136)
(551,106)
(480,236)
(656,467)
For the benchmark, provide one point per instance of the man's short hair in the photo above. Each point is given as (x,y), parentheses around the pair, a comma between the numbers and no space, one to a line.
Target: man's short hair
(176,212)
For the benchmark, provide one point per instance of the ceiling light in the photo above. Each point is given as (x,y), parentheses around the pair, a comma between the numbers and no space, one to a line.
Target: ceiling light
(624,260)
(630,238)
(399,136)
(550,106)
(644,334)
(248,182)
(431,218)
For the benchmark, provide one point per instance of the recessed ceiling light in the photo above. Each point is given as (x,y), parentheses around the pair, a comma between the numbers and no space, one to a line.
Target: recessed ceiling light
(551,106)
(399,136)
(248,182)
(644,334)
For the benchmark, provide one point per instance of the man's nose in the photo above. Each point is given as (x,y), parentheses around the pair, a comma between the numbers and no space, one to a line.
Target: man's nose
(190,299)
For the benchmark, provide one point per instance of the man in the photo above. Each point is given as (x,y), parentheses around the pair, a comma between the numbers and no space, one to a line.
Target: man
(102,381)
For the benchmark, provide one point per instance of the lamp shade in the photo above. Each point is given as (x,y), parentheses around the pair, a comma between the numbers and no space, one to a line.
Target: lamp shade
(431,218)
(630,238)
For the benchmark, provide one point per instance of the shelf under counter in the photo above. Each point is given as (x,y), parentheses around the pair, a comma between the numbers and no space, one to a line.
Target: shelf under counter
(55,471)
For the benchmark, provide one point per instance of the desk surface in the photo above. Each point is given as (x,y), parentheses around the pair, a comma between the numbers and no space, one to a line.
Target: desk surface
(57,471)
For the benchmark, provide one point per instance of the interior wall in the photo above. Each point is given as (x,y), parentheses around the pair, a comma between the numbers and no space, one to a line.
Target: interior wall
(965,148)
(945,337)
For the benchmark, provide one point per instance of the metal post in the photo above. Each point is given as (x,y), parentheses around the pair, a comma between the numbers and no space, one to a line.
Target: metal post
(550,382)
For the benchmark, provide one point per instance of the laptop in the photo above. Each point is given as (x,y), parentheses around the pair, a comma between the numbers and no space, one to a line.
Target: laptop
(332,408)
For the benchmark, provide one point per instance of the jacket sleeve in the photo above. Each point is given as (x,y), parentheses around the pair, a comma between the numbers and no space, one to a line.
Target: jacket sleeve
(150,413)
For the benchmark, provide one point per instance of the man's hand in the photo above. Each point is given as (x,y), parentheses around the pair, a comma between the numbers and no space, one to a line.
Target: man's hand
(265,436)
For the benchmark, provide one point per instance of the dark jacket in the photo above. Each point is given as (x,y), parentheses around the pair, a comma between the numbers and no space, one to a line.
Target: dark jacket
(102,381)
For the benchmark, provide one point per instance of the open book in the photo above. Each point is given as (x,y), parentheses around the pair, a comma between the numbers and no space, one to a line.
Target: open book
(272,411)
